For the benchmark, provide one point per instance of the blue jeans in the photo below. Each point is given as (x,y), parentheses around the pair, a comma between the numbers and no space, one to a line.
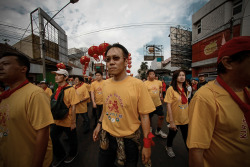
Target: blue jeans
(107,158)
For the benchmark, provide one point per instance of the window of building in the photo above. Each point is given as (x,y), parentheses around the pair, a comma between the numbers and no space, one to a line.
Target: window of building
(199,27)
(237,7)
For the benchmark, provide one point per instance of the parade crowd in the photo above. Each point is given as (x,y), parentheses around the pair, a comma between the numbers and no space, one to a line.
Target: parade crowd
(212,117)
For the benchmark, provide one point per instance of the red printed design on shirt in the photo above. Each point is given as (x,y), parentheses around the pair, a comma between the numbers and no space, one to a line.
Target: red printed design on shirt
(99,90)
(4,117)
(113,103)
(154,89)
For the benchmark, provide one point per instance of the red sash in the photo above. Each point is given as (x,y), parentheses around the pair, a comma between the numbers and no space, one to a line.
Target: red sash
(59,90)
(243,106)
(9,92)
(183,97)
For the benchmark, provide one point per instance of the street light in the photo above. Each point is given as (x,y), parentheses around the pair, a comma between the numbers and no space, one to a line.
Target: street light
(43,37)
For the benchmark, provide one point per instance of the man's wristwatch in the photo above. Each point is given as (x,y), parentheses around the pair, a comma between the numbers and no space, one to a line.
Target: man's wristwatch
(99,122)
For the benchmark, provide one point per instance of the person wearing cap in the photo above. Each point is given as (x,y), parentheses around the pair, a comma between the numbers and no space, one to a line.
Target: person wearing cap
(67,124)
(44,86)
(219,112)
(202,81)
(25,116)
(125,100)
(81,108)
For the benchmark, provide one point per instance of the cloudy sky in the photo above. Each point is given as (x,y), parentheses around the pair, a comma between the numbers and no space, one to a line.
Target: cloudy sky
(132,23)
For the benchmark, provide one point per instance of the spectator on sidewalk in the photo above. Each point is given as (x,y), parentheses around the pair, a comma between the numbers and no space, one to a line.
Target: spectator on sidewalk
(125,99)
(67,123)
(220,111)
(177,109)
(44,86)
(202,81)
(25,116)
(154,88)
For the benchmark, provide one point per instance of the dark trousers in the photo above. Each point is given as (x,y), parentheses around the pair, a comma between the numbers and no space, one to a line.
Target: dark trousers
(86,123)
(107,158)
(97,112)
(58,149)
(172,134)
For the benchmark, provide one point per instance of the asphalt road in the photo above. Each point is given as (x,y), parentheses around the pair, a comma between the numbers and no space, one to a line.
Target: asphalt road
(88,150)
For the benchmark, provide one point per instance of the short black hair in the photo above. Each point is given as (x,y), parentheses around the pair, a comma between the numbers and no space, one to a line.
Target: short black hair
(238,57)
(99,72)
(80,78)
(117,45)
(21,59)
(150,70)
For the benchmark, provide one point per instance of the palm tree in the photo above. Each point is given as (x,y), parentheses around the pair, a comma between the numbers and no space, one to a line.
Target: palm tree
(143,69)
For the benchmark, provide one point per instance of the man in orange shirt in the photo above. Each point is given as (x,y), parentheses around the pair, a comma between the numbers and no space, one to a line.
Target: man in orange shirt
(66,124)
(25,116)
(125,100)
(96,95)
(219,113)
(44,86)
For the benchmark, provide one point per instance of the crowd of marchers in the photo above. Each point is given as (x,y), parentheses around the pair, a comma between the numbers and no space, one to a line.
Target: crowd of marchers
(213,117)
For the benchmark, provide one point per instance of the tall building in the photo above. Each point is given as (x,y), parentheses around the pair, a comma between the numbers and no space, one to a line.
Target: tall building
(216,20)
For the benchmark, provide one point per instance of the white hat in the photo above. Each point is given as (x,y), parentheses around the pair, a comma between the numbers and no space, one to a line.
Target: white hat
(43,82)
(61,71)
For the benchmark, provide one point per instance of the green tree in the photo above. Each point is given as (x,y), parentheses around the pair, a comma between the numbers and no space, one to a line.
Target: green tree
(143,70)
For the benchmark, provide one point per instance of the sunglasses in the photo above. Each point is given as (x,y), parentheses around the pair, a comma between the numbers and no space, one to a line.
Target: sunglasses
(115,58)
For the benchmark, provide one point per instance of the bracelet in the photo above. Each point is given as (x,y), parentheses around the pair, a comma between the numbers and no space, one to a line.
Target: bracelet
(148,142)
(99,122)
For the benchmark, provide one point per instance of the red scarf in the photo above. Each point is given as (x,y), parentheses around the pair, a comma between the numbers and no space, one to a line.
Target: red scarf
(243,106)
(59,90)
(9,92)
(78,86)
(183,97)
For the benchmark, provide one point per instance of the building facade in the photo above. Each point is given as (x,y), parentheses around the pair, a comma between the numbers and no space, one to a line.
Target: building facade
(217,20)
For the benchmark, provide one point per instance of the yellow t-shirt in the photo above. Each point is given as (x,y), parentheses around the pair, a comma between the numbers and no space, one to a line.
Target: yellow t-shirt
(123,102)
(96,87)
(70,98)
(82,93)
(179,110)
(88,88)
(154,91)
(48,91)
(218,125)
(21,115)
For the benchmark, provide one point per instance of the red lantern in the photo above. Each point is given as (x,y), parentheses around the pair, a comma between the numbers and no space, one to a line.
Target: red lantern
(61,66)
(128,71)
(103,55)
(129,54)
(129,58)
(96,57)
(93,50)
(84,59)
(129,62)
(103,48)
(129,66)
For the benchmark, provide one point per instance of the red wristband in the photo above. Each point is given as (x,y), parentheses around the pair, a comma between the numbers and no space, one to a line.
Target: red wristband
(148,142)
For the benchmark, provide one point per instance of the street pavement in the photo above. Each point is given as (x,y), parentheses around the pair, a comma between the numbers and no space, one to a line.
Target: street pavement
(88,150)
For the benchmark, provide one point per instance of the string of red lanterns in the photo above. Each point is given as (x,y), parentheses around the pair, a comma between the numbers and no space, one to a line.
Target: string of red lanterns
(60,66)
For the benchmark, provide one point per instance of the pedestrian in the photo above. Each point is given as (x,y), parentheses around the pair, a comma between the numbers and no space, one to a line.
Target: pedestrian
(177,107)
(220,111)
(47,90)
(125,99)
(154,88)
(65,123)
(51,86)
(202,80)
(189,90)
(81,108)
(25,116)
(194,86)
(97,95)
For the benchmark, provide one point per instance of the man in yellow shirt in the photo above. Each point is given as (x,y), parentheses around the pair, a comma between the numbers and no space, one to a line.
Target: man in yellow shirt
(154,88)
(44,86)
(96,95)
(25,116)
(66,124)
(125,99)
(81,108)
(219,113)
